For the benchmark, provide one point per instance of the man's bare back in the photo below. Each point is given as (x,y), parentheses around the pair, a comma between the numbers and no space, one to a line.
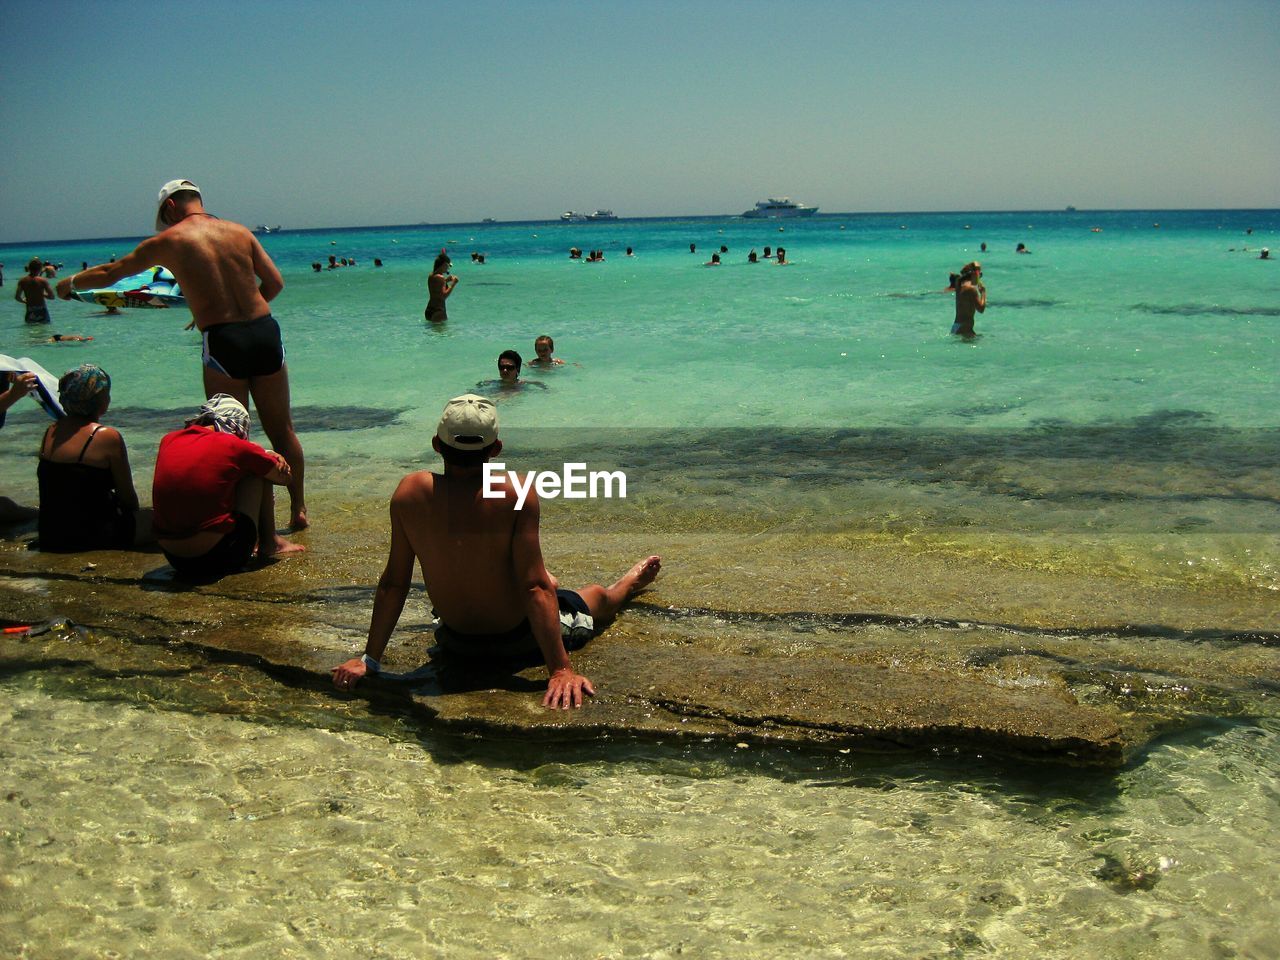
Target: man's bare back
(33,291)
(466,546)
(220,266)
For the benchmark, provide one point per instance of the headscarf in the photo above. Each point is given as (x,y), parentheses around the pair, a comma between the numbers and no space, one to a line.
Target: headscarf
(225,414)
(81,390)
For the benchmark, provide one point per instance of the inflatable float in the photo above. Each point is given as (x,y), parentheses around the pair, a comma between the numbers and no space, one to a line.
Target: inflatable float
(155,288)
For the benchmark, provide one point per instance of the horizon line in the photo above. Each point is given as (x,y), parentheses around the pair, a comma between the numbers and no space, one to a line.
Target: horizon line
(698,216)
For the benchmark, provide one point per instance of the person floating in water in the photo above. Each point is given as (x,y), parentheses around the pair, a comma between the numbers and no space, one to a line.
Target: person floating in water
(714,261)
(440,284)
(482,565)
(971,298)
(1022,248)
(751,257)
(34,291)
(67,337)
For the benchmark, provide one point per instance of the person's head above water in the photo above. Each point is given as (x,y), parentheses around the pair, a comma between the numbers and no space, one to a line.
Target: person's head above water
(175,197)
(544,347)
(82,391)
(467,434)
(509,363)
(224,413)
(442,264)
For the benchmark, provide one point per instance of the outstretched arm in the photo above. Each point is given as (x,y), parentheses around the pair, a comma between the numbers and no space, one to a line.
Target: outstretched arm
(565,688)
(144,255)
(388,601)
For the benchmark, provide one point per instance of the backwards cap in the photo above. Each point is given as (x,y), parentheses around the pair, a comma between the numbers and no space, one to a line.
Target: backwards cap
(469,422)
(167,191)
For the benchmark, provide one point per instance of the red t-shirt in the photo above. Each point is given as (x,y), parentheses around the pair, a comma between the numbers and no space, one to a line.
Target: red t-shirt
(197,470)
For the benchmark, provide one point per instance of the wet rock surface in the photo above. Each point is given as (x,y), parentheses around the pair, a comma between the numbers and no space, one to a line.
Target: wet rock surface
(827,679)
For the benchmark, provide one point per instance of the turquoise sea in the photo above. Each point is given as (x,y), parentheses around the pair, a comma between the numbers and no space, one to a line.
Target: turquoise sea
(1097,470)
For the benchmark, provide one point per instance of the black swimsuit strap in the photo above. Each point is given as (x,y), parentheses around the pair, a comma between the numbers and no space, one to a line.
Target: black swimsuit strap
(80,458)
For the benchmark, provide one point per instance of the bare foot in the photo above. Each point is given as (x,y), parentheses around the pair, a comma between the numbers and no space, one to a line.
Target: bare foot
(299,519)
(279,547)
(640,576)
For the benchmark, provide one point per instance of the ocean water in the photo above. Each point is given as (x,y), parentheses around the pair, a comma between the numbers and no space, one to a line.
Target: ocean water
(1097,471)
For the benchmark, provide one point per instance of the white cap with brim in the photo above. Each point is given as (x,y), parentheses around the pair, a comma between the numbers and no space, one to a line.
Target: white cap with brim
(167,191)
(469,422)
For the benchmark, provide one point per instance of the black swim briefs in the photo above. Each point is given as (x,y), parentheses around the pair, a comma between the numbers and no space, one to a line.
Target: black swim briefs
(576,628)
(243,350)
(38,314)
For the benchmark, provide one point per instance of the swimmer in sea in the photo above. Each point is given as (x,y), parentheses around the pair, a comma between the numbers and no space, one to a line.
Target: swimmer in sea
(971,298)
(67,337)
(439,285)
(714,261)
(34,291)
(544,347)
(509,364)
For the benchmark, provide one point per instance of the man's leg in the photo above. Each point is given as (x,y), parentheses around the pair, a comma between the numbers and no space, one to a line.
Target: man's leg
(256,499)
(605,602)
(271,398)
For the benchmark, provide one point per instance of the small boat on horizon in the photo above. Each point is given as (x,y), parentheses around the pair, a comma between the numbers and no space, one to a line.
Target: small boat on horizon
(778,208)
(263,228)
(570,217)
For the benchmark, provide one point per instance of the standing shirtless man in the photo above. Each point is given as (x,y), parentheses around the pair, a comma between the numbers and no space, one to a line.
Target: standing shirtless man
(482,565)
(33,290)
(228,281)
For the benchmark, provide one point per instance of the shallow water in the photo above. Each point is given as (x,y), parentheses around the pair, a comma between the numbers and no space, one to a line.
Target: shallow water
(151,829)
(1086,496)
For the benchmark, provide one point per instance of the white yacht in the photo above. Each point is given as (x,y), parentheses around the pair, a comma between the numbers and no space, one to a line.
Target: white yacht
(570,217)
(777,208)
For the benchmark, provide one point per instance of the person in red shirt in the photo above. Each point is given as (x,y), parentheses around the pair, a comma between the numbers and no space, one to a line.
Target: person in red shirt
(212,494)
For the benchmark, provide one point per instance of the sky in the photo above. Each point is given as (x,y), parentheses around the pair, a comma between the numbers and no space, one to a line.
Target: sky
(372,112)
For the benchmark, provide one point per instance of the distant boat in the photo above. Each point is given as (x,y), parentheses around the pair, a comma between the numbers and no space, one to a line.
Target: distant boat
(570,217)
(488,220)
(263,228)
(779,208)
(1071,209)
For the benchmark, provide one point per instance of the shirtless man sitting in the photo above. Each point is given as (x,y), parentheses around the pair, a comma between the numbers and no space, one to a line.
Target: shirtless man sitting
(228,281)
(482,565)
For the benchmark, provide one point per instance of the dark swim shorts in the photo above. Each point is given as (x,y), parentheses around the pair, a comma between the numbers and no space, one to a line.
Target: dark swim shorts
(576,628)
(233,552)
(244,350)
(38,314)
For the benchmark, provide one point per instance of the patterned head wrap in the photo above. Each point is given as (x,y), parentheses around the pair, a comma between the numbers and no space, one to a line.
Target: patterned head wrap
(225,414)
(81,390)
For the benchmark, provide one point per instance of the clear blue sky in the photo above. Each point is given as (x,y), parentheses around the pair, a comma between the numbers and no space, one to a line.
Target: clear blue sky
(317,113)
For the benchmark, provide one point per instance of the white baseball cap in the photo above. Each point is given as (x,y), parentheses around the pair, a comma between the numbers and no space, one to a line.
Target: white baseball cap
(167,191)
(469,422)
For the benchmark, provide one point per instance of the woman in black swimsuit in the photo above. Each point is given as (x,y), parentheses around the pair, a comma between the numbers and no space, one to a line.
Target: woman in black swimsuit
(87,498)
(439,285)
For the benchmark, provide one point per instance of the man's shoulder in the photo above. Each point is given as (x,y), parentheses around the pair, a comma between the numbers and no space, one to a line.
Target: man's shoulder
(416,484)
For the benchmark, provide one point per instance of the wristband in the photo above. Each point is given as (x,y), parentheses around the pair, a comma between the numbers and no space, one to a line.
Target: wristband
(371,663)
